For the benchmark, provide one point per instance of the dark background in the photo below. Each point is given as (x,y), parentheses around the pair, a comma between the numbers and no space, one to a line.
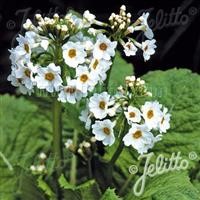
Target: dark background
(176,24)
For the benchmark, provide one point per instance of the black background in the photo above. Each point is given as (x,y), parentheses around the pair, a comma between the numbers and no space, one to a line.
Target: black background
(176,24)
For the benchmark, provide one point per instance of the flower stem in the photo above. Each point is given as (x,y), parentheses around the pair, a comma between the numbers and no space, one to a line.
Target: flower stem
(116,154)
(57,134)
(89,169)
(74,161)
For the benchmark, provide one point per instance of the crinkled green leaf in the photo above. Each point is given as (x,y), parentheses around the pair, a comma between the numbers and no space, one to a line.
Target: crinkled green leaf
(110,195)
(87,191)
(24,133)
(174,185)
(27,187)
(119,71)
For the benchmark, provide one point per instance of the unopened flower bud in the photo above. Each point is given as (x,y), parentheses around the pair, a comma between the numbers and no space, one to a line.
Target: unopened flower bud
(128,15)
(123,7)
(56,16)
(93,139)
(42,156)
(38,16)
(40,168)
(32,168)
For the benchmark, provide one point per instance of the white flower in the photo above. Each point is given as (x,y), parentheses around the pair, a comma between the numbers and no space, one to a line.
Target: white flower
(103,131)
(164,124)
(73,54)
(152,114)
(89,18)
(44,44)
(86,42)
(133,115)
(24,73)
(27,25)
(148,48)
(104,48)
(86,118)
(113,110)
(98,105)
(85,81)
(68,143)
(130,29)
(130,49)
(148,32)
(49,78)
(26,44)
(17,83)
(99,67)
(140,138)
(70,93)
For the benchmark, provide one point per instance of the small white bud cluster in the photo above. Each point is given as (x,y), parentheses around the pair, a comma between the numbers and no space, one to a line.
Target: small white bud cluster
(40,168)
(138,85)
(86,148)
(120,21)
(28,25)
(48,24)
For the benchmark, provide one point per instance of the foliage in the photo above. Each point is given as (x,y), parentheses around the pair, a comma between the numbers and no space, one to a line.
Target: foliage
(23,135)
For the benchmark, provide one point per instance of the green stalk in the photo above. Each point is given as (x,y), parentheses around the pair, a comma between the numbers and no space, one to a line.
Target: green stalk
(116,154)
(57,134)
(73,170)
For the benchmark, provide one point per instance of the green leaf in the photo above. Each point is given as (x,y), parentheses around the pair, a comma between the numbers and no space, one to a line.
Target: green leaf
(45,187)
(24,133)
(71,117)
(27,187)
(176,186)
(119,71)
(64,183)
(87,191)
(110,195)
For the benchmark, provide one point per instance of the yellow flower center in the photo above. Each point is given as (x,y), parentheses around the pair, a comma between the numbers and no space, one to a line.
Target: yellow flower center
(49,76)
(102,105)
(150,114)
(106,130)
(26,48)
(131,114)
(103,46)
(84,78)
(162,120)
(137,134)
(145,48)
(70,90)
(72,53)
(27,72)
(96,62)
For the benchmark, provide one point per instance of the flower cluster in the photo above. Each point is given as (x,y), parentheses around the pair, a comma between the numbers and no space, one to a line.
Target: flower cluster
(68,57)
(41,167)
(106,115)
(121,25)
